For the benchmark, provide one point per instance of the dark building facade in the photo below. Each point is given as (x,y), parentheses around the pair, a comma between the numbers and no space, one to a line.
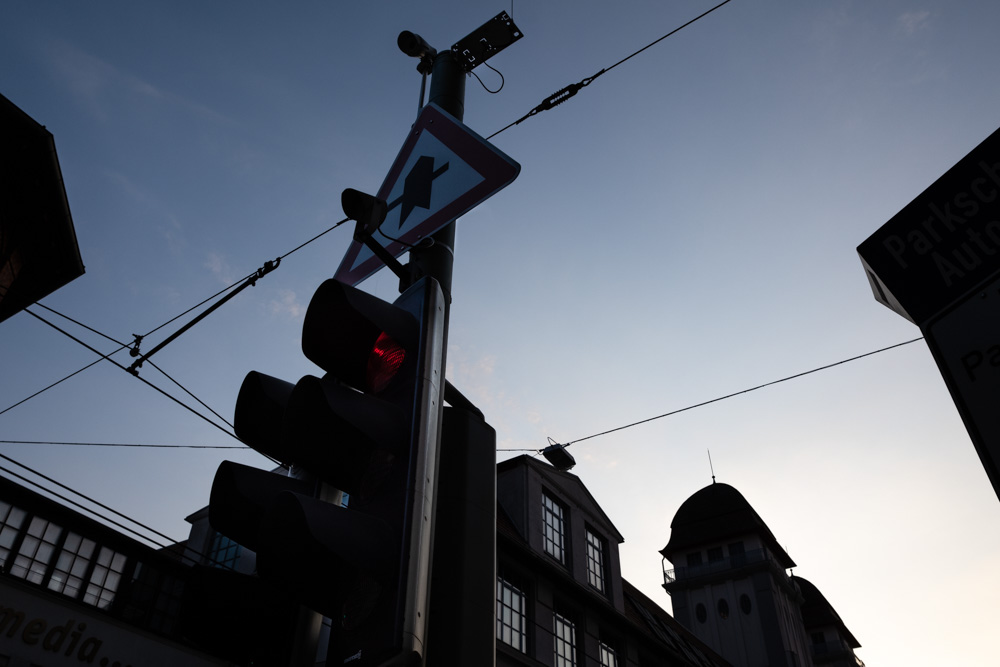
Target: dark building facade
(73,591)
(561,599)
(830,642)
(729,585)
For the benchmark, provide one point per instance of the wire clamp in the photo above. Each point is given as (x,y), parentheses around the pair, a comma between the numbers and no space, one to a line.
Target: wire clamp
(134,349)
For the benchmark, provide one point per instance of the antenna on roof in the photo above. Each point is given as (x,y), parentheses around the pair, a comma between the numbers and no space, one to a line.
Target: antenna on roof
(710,467)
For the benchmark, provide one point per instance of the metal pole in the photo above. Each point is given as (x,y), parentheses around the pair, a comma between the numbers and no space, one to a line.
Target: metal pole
(448,92)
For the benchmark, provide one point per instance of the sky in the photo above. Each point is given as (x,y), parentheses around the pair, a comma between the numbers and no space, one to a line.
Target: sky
(682,229)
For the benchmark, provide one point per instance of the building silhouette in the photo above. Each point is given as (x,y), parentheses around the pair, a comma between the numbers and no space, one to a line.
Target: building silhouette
(728,583)
(561,598)
(75,590)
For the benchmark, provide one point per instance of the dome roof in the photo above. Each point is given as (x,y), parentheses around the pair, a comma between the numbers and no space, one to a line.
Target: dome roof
(818,613)
(715,513)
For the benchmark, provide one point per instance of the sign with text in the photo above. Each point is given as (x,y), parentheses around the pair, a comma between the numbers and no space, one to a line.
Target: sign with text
(965,342)
(39,628)
(943,243)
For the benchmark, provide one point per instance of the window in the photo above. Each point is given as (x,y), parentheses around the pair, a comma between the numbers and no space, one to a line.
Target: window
(155,597)
(71,566)
(699,611)
(745,605)
(36,550)
(553,536)
(105,578)
(715,554)
(595,561)
(564,639)
(224,552)
(11,519)
(607,654)
(723,607)
(737,554)
(511,628)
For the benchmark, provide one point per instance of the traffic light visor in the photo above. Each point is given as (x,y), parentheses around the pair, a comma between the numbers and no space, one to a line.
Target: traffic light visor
(358,338)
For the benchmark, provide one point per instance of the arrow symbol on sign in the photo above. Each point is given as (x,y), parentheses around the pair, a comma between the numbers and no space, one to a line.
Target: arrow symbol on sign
(417,187)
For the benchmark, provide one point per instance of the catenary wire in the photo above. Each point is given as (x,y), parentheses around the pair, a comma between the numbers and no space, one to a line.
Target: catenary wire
(155,329)
(169,539)
(83,507)
(213,561)
(722,398)
(57,382)
(116,444)
(569,91)
(340,222)
(303,245)
(147,382)
(188,392)
(124,345)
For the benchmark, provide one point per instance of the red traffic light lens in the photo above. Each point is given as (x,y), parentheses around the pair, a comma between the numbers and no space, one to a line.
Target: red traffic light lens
(384,362)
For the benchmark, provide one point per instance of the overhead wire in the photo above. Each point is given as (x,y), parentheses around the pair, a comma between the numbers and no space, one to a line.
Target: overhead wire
(90,510)
(727,396)
(188,392)
(121,346)
(562,95)
(124,345)
(551,101)
(155,329)
(138,338)
(147,382)
(116,444)
(48,479)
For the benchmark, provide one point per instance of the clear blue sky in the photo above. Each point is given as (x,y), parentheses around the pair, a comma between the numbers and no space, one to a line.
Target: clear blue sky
(682,229)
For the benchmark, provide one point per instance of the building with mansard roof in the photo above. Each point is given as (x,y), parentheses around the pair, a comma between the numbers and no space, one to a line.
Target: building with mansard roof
(74,590)
(561,598)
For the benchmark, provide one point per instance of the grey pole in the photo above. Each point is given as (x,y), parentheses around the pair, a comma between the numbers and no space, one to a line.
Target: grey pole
(448,92)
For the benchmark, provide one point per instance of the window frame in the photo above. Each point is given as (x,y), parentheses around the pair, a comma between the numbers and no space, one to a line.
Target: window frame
(554,525)
(596,564)
(507,584)
(223,552)
(563,649)
(608,652)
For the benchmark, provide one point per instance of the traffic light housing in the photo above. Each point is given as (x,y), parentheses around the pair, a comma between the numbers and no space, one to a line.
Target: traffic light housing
(369,427)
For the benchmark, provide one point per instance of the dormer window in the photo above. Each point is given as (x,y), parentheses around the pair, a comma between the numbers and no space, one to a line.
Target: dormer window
(553,528)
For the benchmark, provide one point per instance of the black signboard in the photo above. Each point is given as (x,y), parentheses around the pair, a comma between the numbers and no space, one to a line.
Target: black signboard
(38,248)
(943,243)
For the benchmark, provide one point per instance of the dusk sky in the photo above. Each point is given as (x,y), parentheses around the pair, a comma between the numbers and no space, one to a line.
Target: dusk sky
(682,229)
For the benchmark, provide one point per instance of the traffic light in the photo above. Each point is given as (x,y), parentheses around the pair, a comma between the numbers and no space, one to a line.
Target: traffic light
(369,427)
(463,608)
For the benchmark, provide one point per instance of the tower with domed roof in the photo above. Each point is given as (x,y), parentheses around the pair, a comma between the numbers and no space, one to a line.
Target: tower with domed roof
(727,579)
